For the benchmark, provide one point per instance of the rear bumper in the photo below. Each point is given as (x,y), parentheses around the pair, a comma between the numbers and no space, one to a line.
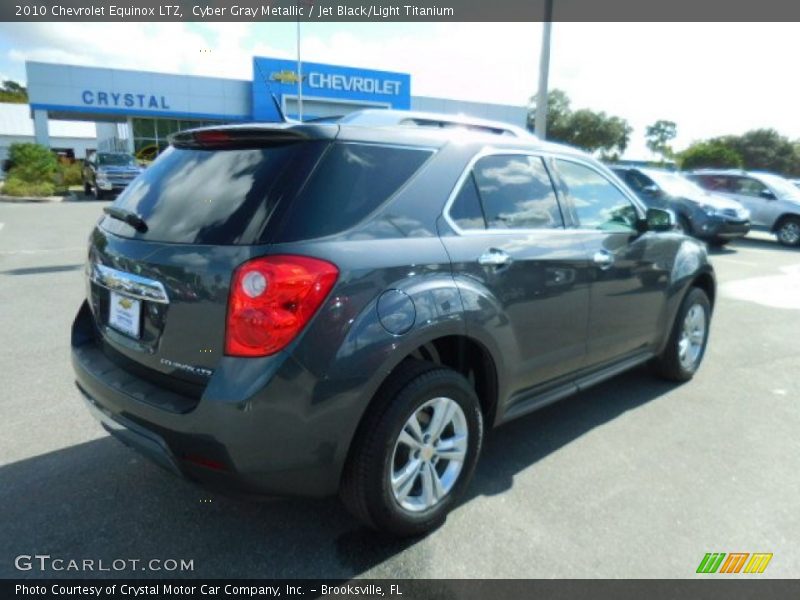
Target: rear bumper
(257,428)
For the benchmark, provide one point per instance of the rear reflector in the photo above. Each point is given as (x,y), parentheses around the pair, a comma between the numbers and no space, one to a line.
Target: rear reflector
(272,298)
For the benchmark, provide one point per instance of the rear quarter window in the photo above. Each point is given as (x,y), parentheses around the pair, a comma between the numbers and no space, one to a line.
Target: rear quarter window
(351,181)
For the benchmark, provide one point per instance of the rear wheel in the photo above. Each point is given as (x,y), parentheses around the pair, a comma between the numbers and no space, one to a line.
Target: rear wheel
(788,231)
(687,342)
(415,452)
(87,189)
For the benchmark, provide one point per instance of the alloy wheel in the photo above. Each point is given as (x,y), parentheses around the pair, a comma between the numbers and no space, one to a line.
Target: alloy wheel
(429,454)
(789,233)
(693,335)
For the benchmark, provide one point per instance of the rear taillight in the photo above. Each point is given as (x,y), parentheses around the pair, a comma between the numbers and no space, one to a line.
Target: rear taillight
(272,298)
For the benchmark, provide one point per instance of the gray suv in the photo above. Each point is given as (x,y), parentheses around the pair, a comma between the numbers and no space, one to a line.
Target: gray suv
(709,217)
(348,307)
(773,202)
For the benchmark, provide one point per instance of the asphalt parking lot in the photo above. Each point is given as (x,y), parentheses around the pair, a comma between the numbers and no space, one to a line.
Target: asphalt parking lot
(634,478)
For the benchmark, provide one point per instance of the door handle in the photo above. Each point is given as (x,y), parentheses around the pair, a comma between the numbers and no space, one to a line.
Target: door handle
(603,259)
(494,257)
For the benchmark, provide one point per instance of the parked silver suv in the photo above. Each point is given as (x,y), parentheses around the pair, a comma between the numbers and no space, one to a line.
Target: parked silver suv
(774,202)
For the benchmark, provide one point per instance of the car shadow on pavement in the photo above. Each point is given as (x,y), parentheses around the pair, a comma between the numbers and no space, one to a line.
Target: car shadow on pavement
(41,270)
(763,244)
(101,500)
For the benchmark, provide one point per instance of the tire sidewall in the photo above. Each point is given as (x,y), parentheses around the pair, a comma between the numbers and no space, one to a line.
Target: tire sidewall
(447,384)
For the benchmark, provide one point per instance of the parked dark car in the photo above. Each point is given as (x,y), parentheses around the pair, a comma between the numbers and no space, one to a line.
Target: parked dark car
(706,216)
(312,308)
(773,201)
(108,173)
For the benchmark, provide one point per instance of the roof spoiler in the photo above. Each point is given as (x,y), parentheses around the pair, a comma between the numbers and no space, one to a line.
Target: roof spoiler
(236,137)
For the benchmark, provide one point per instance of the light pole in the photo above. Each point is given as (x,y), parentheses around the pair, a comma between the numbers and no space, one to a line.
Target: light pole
(540,122)
(299,75)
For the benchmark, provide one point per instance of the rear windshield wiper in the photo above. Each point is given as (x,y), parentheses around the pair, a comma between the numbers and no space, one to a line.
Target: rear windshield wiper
(126,216)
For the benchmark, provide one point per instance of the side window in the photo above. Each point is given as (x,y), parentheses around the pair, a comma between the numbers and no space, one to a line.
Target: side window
(598,203)
(466,210)
(516,193)
(748,187)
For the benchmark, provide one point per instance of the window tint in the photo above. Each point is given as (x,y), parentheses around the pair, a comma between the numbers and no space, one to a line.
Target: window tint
(466,209)
(716,183)
(748,186)
(196,196)
(516,193)
(597,202)
(351,181)
(637,180)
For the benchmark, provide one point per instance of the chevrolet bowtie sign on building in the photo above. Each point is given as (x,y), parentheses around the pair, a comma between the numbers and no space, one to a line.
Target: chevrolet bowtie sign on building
(327,90)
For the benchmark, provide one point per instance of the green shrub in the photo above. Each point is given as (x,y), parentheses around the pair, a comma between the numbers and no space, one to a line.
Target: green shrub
(32,163)
(14,186)
(69,173)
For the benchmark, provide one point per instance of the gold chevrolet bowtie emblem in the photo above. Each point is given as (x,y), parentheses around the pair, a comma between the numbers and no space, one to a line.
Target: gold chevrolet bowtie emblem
(286,76)
(125,303)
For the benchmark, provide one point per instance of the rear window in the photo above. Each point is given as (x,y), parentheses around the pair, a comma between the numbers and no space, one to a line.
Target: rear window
(221,197)
(249,196)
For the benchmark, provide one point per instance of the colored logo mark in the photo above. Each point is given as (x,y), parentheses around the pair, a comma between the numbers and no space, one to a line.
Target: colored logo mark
(735,562)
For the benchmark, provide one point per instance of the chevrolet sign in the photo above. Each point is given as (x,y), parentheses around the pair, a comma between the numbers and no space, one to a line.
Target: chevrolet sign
(354,83)
(286,77)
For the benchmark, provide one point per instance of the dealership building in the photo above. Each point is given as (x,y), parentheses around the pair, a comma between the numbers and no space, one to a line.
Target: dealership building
(135,111)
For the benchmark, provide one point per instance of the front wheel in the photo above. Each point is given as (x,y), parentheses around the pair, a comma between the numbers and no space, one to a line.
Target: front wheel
(687,341)
(788,231)
(415,452)
(98,193)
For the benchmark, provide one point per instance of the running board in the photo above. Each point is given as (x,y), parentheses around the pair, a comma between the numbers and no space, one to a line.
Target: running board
(535,398)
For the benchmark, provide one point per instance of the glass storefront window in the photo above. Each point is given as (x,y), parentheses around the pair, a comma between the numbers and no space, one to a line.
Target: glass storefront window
(150,135)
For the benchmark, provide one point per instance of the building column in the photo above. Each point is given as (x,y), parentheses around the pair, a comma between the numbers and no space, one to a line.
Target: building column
(130,135)
(40,132)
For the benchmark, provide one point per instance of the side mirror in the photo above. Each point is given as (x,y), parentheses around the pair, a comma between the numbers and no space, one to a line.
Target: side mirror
(658,219)
(767,194)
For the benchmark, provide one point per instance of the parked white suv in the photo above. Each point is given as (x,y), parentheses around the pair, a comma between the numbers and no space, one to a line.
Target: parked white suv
(773,201)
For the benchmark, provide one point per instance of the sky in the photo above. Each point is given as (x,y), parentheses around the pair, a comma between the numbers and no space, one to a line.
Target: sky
(710,78)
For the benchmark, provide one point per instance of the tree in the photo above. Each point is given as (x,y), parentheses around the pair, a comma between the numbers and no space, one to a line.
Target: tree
(592,131)
(11,91)
(714,153)
(766,150)
(659,135)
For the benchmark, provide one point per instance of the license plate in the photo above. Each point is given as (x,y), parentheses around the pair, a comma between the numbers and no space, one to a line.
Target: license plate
(124,314)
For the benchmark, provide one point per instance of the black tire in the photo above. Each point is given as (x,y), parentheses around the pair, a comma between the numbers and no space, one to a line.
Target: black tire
(366,489)
(718,242)
(98,193)
(87,189)
(788,232)
(669,365)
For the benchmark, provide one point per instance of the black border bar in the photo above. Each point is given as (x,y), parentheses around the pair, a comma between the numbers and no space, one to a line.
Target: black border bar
(741,587)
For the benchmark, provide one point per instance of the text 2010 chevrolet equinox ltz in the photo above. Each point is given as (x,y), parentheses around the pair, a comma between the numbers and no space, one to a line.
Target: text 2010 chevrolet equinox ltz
(312,308)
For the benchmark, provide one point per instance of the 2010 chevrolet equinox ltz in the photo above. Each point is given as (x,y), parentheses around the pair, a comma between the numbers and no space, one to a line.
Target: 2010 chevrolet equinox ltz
(306,308)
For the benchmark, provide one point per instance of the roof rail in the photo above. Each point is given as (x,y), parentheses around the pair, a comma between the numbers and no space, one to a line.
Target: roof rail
(405,118)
